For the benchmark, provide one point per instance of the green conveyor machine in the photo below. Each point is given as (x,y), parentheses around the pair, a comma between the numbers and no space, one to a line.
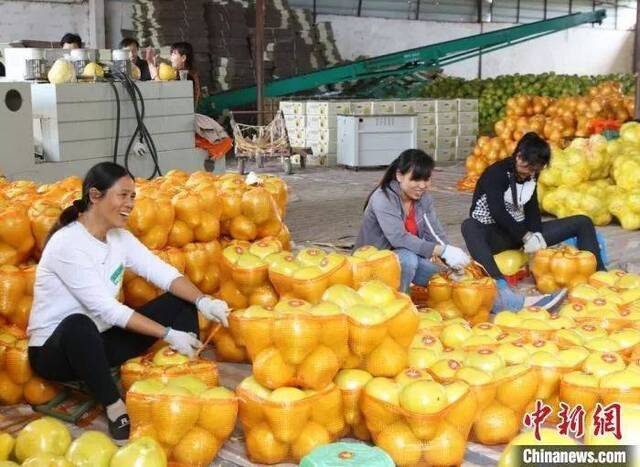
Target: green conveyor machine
(386,70)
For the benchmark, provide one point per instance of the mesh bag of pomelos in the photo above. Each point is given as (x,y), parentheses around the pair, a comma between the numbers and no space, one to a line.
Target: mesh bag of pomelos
(252,212)
(308,274)
(166,364)
(382,324)
(368,263)
(288,423)
(533,323)
(17,381)
(295,344)
(469,295)
(16,293)
(503,392)
(420,422)
(190,419)
(351,383)
(564,266)
(244,273)
(605,378)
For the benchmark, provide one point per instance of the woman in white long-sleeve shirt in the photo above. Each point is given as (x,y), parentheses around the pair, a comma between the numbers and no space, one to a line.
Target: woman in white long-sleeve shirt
(78,329)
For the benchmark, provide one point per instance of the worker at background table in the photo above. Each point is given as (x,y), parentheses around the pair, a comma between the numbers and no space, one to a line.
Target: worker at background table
(71,41)
(133,46)
(505,215)
(182,59)
(400,215)
(78,329)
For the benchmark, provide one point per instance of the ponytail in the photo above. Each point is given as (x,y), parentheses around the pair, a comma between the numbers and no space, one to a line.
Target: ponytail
(68,215)
(101,177)
(416,161)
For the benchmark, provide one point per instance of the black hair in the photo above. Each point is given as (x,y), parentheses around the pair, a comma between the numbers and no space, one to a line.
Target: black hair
(533,150)
(186,49)
(127,41)
(70,38)
(101,176)
(416,161)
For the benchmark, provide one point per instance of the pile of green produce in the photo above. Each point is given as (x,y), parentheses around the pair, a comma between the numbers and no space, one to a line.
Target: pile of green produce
(494,92)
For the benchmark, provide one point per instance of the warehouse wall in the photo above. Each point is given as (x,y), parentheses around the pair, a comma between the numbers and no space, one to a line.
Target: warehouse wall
(43,20)
(583,50)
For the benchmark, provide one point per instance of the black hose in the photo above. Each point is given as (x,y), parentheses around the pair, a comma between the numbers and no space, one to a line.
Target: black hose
(115,145)
(134,93)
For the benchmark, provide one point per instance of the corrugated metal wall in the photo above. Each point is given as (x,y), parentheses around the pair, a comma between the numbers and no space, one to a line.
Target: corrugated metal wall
(620,13)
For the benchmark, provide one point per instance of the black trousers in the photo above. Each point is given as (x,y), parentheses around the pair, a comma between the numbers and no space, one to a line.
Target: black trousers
(76,351)
(483,241)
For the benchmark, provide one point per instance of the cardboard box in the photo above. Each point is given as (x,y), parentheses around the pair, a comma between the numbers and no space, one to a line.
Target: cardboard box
(447,143)
(405,107)
(467,129)
(327,135)
(361,107)
(425,106)
(445,154)
(328,108)
(446,105)
(467,140)
(426,120)
(462,152)
(294,122)
(293,107)
(427,132)
(428,145)
(467,105)
(468,117)
(446,118)
(383,107)
(445,131)
(323,147)
(320,122)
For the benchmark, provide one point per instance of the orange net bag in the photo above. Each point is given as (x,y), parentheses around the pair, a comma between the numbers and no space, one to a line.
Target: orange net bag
(309,274)
(368,264)
(16,293)
(17,381)
(470,297)
(165,364)
(191,427)
(287,424)
(351,384)
(293,345)
(565,266)
(417,439)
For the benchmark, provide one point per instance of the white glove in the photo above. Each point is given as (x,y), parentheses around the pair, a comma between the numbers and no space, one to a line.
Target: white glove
(185,343)
(455,257)
(534,242)
(213,310)
(252,179)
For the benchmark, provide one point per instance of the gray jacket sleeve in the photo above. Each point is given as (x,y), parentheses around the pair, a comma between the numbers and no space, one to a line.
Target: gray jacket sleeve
(433,227)
(389,217)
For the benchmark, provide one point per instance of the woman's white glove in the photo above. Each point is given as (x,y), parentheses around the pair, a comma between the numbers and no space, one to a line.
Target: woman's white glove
(534,242)
(185,343)
(455,257)
(213,310)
